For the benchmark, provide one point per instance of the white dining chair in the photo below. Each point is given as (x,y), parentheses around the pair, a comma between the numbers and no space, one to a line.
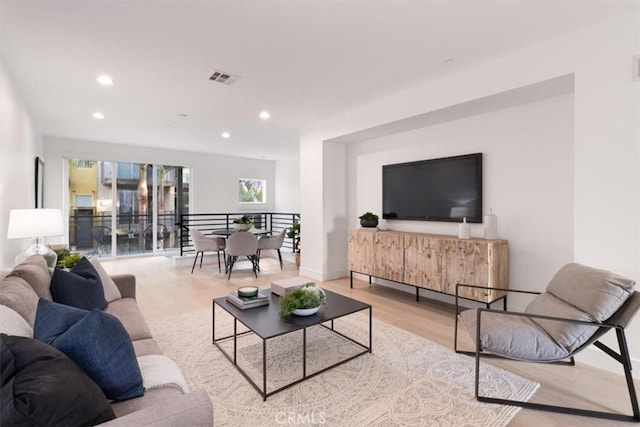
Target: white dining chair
(272,242)
(206,243)
(242,243)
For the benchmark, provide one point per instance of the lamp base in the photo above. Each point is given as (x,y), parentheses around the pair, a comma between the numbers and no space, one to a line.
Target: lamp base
(38,249)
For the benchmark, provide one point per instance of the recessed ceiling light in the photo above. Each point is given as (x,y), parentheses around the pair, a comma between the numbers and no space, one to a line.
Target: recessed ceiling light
(225,134)
(183,115)
(105,79)
(98,115)
(265,115)
(449,61)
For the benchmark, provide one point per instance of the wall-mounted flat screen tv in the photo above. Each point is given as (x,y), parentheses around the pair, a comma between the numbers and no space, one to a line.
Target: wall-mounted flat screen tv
(446,189)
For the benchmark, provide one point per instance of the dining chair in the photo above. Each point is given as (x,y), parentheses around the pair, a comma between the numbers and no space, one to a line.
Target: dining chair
(162,233)
(271,242)
(242,243)
(207,243)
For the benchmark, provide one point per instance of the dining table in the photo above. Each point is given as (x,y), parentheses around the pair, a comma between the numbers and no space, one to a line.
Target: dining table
(226,232)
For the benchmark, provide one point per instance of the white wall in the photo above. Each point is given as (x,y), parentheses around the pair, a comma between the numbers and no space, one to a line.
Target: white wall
(527,180)
(606,155)
(20,143)
(287,184)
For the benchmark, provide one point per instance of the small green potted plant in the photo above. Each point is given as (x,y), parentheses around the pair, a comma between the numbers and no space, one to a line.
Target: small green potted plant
(368,219)
(67,259)
(243,223)
(303,301)
(293,233)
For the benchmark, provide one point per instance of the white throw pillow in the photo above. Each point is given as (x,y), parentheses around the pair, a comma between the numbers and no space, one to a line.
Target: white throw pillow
(11,323)
(111,291)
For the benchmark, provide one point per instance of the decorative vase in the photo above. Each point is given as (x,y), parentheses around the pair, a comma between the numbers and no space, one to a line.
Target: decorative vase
(369,223)
(464,231)
(241,227)
(306,311)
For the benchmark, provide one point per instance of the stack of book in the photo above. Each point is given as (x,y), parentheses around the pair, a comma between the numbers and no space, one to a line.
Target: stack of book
(244,303)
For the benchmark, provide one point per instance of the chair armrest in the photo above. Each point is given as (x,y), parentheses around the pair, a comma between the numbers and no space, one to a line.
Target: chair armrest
(520,291)
(191,409)
(126,284)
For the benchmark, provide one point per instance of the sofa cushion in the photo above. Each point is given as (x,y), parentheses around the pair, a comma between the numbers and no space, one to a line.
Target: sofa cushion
(81,287)
(127,311)
(16,294)
(111,291)
(11,323)
(42,386)
(35,272)
(599,293)
(97,342)
(146,347)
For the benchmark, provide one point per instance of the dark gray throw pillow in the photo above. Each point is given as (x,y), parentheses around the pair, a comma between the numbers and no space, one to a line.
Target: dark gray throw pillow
(41,386)
(80,287)
(97,342)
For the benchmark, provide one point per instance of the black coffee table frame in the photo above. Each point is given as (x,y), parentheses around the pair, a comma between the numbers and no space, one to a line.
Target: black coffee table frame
(265,322)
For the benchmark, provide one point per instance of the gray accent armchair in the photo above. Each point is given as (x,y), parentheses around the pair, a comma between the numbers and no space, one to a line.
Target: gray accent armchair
(578,307)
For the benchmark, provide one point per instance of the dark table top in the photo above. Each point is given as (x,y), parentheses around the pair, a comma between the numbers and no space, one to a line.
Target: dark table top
(266,322)
(230,231)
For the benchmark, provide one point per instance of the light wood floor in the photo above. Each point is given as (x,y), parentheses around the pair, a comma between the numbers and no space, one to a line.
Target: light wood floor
(164,289)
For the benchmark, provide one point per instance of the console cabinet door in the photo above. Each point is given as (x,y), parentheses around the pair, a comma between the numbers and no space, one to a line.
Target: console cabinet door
(423,261)
(466,261)
(389,256)
(361,251)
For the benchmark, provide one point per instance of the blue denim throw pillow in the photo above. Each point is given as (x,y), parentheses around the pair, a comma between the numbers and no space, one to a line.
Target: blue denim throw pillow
(80,287)
(97,342)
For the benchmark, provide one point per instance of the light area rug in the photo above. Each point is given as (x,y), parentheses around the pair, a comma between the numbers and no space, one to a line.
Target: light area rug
(406,380)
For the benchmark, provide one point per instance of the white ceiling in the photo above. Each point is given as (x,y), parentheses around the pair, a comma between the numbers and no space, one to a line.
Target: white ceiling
(302,60)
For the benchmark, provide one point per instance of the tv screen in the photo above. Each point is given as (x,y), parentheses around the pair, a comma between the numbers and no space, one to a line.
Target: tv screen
(445,189)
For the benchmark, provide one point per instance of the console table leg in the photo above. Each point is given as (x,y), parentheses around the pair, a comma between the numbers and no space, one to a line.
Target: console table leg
(351,279)
(369,279)
(417,293)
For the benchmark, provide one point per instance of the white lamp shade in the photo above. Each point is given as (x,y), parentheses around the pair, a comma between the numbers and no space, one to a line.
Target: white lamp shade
(35,223)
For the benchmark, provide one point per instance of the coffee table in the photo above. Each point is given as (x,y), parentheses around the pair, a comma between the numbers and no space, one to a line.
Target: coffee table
(266,323)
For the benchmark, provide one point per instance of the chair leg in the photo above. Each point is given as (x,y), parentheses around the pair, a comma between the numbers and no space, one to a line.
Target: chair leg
(194,262)
(219,269)
(280,258)
(232,260)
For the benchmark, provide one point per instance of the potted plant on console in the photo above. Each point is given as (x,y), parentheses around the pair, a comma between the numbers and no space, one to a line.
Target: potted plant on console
(243,223)
(368,219)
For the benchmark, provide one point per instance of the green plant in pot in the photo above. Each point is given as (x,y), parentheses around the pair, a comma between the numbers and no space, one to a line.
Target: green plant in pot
(243,223)
(303,301)
(293,233)
(67,259)
(368,219)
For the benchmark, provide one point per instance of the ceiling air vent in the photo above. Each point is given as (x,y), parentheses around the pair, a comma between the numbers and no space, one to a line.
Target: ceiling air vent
(223,77)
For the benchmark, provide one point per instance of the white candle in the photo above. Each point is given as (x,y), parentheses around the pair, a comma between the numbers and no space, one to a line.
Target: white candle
(490,226)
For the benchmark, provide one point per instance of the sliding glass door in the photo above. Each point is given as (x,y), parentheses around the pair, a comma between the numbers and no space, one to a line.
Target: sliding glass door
(122,209)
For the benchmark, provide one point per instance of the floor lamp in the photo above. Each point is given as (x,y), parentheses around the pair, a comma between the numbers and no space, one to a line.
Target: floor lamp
(36,224)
